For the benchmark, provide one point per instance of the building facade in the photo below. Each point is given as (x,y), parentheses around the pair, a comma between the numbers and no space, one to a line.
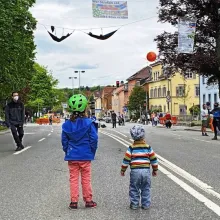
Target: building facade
(208,93)
(176,94)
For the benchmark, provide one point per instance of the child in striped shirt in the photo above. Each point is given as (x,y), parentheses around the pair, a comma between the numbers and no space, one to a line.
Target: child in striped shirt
(140,156)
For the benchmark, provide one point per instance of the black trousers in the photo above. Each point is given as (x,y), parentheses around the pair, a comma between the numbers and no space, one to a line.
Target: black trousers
(18,134)
(114,123)
(216,124)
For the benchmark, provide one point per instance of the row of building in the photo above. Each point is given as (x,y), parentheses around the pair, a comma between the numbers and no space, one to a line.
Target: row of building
(176,94)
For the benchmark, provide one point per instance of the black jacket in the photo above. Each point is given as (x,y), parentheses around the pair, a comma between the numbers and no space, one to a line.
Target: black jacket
(14,113)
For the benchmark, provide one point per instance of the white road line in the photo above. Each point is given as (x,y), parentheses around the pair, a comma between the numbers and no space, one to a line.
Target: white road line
(112,135)
(200,184)
(201,140)
(28,133)
(41,139)
(115,139)
(207,202)
(131,140)
(118,132)
(19,152)
(176,134)
(48,134)
(52,131)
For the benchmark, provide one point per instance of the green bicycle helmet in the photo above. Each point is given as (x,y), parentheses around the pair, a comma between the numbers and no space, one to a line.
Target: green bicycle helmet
(78,103)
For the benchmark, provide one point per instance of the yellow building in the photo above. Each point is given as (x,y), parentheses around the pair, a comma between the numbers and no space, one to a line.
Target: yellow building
(176,94)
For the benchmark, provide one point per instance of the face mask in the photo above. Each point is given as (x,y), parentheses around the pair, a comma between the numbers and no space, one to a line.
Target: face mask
(16,98)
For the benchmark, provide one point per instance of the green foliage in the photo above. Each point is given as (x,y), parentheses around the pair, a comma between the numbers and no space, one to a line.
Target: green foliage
(195,110)
(43,92)
(16,45)
(206,57)
(136,100)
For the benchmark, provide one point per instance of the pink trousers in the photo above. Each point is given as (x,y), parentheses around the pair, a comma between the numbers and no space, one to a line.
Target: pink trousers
(84,168)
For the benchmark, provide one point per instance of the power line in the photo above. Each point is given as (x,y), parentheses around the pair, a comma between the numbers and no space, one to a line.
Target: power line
(122,25)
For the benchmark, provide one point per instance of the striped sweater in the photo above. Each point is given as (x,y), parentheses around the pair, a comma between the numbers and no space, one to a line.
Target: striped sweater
(139,156)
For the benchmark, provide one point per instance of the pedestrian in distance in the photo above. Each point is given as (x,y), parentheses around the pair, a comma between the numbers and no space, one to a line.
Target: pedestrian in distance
(114,119)
(168,118)
(216,119)
(15,118)
(79,140)
(204,117)
(50,120)
(140,156)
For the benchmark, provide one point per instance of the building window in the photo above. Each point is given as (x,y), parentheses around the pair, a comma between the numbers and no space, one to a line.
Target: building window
(159,92)
(151,93)
(197,91)
(203,79)
(164,92)
(180,91)
(155,93)
(188,75)
(204,99)
(210,99)
(215,98)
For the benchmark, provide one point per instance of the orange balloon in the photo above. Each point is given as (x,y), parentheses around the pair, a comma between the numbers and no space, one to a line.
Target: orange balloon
(151,56)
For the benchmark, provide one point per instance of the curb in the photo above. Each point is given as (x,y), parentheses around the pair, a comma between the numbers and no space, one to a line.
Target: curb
(4,132)
(190,129)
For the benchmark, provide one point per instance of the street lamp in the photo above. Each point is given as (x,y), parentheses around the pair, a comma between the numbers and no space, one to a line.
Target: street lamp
(73,77)
(79,75)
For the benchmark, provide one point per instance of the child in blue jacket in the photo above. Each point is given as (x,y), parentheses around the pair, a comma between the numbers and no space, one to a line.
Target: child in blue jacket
(79,140)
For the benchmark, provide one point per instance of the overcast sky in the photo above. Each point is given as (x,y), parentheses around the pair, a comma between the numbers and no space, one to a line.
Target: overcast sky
(104,61)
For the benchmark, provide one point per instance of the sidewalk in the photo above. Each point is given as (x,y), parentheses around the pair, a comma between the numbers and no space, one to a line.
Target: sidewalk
(186,128)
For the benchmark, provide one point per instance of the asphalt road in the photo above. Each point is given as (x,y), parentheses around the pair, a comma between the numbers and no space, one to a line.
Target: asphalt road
(34,183)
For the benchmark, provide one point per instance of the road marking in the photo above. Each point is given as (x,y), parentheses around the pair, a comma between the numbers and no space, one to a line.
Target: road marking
(207,202)
(176,134)
(41,139)
(201,140)
(119,133)
(112,135)
(131,140)
(28,133)
(21,151)
(48,134)
(205,187)
(52,131)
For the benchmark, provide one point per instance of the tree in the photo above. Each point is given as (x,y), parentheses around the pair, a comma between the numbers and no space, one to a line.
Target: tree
(206,57)
(16,45)
(136,100)
(42,89)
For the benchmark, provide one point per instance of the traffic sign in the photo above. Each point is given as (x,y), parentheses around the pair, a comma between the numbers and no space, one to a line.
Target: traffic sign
(168,97)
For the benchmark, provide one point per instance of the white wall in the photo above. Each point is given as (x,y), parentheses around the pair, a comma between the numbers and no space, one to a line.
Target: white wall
(208,93)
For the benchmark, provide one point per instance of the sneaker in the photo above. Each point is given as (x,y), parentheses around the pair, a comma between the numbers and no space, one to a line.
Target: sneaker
(91,204)
(73,205)
(203,134)
(134,207)
(206,134)
(145,207)
(215,138)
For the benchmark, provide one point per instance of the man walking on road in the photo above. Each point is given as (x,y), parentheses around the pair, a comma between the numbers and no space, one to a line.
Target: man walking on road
(14,118)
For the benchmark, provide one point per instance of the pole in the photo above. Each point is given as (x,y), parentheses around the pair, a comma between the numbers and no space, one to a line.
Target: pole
(140,112)
(79,80)
(38,109)
(73,84)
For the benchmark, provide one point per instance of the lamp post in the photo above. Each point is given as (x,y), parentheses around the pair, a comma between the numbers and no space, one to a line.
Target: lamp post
(81,71)
(73,77)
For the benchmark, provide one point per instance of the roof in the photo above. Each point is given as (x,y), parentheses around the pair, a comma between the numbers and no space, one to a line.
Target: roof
(141,74)
(156,63)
